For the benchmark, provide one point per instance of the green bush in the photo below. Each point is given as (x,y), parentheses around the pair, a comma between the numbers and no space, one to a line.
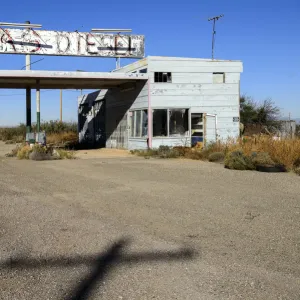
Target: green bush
(296,166)
(262,159)
(297,170)
(216,157)
(236,160)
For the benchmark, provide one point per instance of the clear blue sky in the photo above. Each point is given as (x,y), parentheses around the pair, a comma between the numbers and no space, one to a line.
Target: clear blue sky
(264,34)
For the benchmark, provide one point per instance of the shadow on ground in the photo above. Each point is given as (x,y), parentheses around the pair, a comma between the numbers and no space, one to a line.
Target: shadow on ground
(101,264)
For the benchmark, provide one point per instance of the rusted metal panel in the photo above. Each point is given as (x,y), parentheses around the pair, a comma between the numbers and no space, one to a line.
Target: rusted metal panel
(43,42)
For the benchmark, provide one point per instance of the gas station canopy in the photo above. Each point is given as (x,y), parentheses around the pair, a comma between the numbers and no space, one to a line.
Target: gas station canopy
(13,79)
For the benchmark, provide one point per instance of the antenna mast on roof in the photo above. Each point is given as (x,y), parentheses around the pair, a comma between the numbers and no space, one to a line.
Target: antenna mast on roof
(216,18)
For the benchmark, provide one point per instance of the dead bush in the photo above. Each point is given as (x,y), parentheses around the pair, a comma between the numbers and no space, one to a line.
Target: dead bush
(35,155)
(23,152)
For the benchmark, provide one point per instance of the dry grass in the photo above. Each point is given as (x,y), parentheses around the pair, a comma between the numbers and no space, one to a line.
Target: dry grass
(64,154)
(283,152)
(62,138)
(24,152)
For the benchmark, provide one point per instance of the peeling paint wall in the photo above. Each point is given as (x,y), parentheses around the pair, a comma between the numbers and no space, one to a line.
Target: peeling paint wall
(192,87)
(43,42)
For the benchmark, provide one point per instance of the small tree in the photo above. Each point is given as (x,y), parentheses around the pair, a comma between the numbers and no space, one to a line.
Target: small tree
(264,115)
(298,130)
(248,110)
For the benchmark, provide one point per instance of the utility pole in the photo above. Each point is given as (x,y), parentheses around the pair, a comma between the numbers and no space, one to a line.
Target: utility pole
(38,106)
(214,19)
(61,95)
(28,94)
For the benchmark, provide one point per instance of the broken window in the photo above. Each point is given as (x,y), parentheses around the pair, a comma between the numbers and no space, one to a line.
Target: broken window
(162,77)
(178,122)
(218,77)
(144,123)
(160,122)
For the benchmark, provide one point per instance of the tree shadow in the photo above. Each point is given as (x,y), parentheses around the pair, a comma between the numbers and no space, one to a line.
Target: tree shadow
(102,264)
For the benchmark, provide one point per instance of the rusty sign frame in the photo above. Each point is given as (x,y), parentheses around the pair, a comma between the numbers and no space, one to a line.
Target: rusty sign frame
(64,43)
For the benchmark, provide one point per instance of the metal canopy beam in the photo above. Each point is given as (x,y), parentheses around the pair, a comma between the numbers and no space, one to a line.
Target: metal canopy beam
(67,80)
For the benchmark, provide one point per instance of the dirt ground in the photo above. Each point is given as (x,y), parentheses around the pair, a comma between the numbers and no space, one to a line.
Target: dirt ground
(123,227)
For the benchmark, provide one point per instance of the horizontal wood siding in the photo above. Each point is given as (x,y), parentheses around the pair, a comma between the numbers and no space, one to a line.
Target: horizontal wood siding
(137,144)
(171,142)
(192,87)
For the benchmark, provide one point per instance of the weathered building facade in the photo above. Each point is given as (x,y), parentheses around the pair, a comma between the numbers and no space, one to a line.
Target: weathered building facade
(184,101)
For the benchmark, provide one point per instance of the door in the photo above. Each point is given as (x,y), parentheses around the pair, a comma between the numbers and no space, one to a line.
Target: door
(210,128)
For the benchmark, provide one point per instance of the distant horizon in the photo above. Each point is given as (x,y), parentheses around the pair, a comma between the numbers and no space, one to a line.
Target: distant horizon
(261,34)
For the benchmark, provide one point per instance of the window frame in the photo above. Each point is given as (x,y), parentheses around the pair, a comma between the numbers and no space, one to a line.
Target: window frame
(187,132)
(159,77)
(132,123)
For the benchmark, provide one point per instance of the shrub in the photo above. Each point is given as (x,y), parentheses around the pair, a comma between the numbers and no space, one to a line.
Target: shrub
(236,160)
(36,155)
(64,154)
(216,157)
(23,152)
(296,166)
(297,170)
(14,151)
(262,158)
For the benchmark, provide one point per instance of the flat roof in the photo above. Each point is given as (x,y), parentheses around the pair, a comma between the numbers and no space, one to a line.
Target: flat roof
(66,80)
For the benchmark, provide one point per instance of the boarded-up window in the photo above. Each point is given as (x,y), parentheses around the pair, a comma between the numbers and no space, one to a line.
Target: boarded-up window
(218,77)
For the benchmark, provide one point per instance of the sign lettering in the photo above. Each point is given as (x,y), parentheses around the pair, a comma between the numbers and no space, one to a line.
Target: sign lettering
(43,42)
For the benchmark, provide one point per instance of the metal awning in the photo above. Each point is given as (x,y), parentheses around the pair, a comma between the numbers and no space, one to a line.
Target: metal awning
(12,79)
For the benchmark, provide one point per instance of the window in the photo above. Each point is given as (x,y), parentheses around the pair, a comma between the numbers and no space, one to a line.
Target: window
(144,123)
(178,122)
(138,123)
(160,124)
(170,122)
(197,124)
(218,77)
(162,77)
(143,70)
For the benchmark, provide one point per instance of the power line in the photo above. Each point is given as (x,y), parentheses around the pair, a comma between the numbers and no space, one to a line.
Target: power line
(32,63)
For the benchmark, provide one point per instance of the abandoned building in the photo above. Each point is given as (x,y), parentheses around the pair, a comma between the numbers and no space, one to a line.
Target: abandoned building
(179,101)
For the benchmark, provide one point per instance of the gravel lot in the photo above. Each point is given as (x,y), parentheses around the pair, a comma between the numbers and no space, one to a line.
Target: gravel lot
(115,227)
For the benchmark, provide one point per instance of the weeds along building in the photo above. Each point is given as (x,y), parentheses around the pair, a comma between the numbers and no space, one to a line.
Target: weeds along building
(180,101)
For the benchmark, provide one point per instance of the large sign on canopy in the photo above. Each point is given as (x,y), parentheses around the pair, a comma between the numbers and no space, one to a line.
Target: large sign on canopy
(43,42)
